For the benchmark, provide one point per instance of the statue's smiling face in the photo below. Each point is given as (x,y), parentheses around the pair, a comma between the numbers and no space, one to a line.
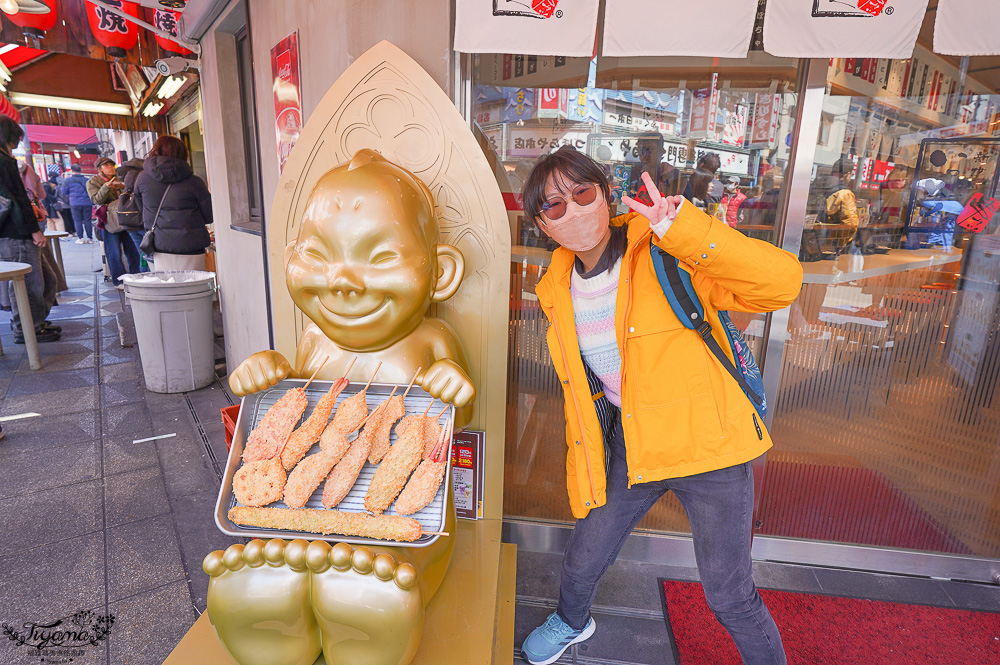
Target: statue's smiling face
(362,268)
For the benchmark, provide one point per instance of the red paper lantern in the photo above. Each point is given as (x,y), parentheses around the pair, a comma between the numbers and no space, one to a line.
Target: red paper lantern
(35,25)
(166,20)
(8,109)
(114,32)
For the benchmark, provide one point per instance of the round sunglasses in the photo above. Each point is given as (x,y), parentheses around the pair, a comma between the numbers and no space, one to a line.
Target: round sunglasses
(582,195)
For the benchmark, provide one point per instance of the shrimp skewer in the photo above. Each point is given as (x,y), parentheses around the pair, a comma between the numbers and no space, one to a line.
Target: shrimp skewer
(304,437)
(399,463)
(345,473)
(423,485)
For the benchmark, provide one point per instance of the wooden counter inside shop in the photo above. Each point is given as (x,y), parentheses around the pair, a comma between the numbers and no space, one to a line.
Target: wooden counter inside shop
(470,620)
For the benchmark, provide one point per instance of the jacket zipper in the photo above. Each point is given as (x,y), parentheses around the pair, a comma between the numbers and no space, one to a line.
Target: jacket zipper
(579,417)
(760,435)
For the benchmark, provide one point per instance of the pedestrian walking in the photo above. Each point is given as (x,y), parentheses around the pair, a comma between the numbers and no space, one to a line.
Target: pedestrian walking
(75,188)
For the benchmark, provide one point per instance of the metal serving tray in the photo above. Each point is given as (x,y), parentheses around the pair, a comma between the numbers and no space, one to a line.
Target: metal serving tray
(252,410)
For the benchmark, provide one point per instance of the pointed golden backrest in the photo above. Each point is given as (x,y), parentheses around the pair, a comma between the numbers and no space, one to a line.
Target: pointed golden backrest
(385,101)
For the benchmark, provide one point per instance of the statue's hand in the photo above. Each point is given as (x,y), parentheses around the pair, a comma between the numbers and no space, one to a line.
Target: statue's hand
(448,382)
(259,372)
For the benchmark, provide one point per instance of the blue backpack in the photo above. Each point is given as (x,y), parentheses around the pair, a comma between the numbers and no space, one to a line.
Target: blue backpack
(680,293)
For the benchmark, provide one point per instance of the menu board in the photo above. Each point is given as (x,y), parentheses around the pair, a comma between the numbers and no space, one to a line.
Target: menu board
(467,452)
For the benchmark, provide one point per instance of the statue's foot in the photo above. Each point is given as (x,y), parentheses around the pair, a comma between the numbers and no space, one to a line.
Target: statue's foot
(258,602)
(368,605)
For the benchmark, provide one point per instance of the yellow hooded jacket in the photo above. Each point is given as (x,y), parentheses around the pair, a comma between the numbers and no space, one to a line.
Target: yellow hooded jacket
(682,413)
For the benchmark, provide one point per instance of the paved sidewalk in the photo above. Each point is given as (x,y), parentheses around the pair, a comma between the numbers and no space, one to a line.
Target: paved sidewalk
(92,520)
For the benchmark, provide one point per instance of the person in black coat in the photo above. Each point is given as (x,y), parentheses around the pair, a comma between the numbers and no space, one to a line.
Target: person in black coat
(21,238)
(180,235)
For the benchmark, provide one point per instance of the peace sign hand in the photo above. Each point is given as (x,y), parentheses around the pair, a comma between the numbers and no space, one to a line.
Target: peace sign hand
(663,208)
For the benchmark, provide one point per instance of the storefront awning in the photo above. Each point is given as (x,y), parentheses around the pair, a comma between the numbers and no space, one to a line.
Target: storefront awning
(65,135)
(724,28)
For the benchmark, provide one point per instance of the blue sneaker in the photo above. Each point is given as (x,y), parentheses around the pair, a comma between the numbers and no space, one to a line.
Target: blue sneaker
(547,642)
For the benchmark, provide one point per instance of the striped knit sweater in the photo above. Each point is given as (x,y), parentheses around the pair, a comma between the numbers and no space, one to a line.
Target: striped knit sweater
(594,311)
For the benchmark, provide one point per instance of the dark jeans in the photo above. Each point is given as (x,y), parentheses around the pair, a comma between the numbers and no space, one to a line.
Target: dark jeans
(67,217)
(25,251)
(136,237)
(719,505)
(114,244)
(81,219)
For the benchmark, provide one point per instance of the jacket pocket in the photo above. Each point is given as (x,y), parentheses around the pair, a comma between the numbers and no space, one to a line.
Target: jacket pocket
(666,367)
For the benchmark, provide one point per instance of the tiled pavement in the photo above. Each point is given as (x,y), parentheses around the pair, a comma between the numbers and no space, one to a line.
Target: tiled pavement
(91,520)
(96,522)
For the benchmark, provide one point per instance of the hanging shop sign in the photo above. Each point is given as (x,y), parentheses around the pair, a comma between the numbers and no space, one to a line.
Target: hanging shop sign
(34,26)
(678,155)
(704,31)
(704,108)
(114,32)
(287,100)
(765,120)
(532,142)
(535,27)
(489,115)
(167,21)
(650,121)
(519,104)
(552,102)
(586,105)
(735,127)
(966,27)
(835,28)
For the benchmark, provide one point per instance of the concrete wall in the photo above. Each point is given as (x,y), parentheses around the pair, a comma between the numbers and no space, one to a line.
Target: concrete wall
(239,258)
(332,34)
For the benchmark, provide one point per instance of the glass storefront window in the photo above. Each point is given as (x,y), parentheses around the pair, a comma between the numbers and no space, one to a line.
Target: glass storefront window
(720,133)
(886,419)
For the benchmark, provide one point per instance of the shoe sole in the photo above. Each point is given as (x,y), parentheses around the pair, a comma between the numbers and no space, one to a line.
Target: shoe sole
(585,635)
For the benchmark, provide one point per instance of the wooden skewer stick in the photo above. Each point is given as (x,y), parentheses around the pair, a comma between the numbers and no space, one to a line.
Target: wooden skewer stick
(316,372)
(424,414)
(379,407)
(353,360)
(439,446)
(373,375)
(411,382)
(446,407)
(435,533)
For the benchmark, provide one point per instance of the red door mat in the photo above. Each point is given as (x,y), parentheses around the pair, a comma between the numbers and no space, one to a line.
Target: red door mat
(831,630)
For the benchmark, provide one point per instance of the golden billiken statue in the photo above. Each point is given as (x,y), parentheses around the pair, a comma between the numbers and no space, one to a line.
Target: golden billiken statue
(365,268)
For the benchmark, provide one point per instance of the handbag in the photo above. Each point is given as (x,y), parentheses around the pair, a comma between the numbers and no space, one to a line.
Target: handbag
(148,244)
(683,299)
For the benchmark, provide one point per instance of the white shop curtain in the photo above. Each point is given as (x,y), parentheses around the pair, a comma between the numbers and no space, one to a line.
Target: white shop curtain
(716,28)
(842,28)
(967,27)
(529,27)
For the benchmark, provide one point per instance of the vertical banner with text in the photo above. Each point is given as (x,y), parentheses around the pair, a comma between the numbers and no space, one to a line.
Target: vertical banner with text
(287,101)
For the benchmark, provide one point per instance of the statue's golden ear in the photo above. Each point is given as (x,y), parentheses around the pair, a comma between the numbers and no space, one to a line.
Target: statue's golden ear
(288,252)
(364,157)
(451,270)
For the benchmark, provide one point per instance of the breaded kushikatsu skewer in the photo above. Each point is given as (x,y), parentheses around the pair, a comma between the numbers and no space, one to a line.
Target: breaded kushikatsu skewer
(423,485)
(307,476)
(304,437)
(432,431)
(396,467)
(267,439)
(384,527)
(353,410)
(259,482)
(345,473)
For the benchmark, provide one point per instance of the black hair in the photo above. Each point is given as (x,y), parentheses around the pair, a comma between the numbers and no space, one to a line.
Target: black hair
(566,164)
(10,132)
(700,180)
(710,162)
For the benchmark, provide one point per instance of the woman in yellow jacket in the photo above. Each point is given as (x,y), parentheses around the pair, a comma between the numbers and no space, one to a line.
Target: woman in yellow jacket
(648,408)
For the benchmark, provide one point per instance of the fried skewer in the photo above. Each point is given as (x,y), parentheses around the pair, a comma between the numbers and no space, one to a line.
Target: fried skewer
(384,527)
(353,410)
(399,463)
(301,440)
(345,473)
(432,430)
(259,482)
(425,481)
(393,411)
(270,435)
(307,476)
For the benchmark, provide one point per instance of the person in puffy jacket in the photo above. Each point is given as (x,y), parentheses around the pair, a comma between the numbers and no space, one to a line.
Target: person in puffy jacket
(75,189)
(129,214)
(180,235)
(649,408)
(104,190)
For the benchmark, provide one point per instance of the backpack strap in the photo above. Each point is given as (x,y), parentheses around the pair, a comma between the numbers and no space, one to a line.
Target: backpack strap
(683,299)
